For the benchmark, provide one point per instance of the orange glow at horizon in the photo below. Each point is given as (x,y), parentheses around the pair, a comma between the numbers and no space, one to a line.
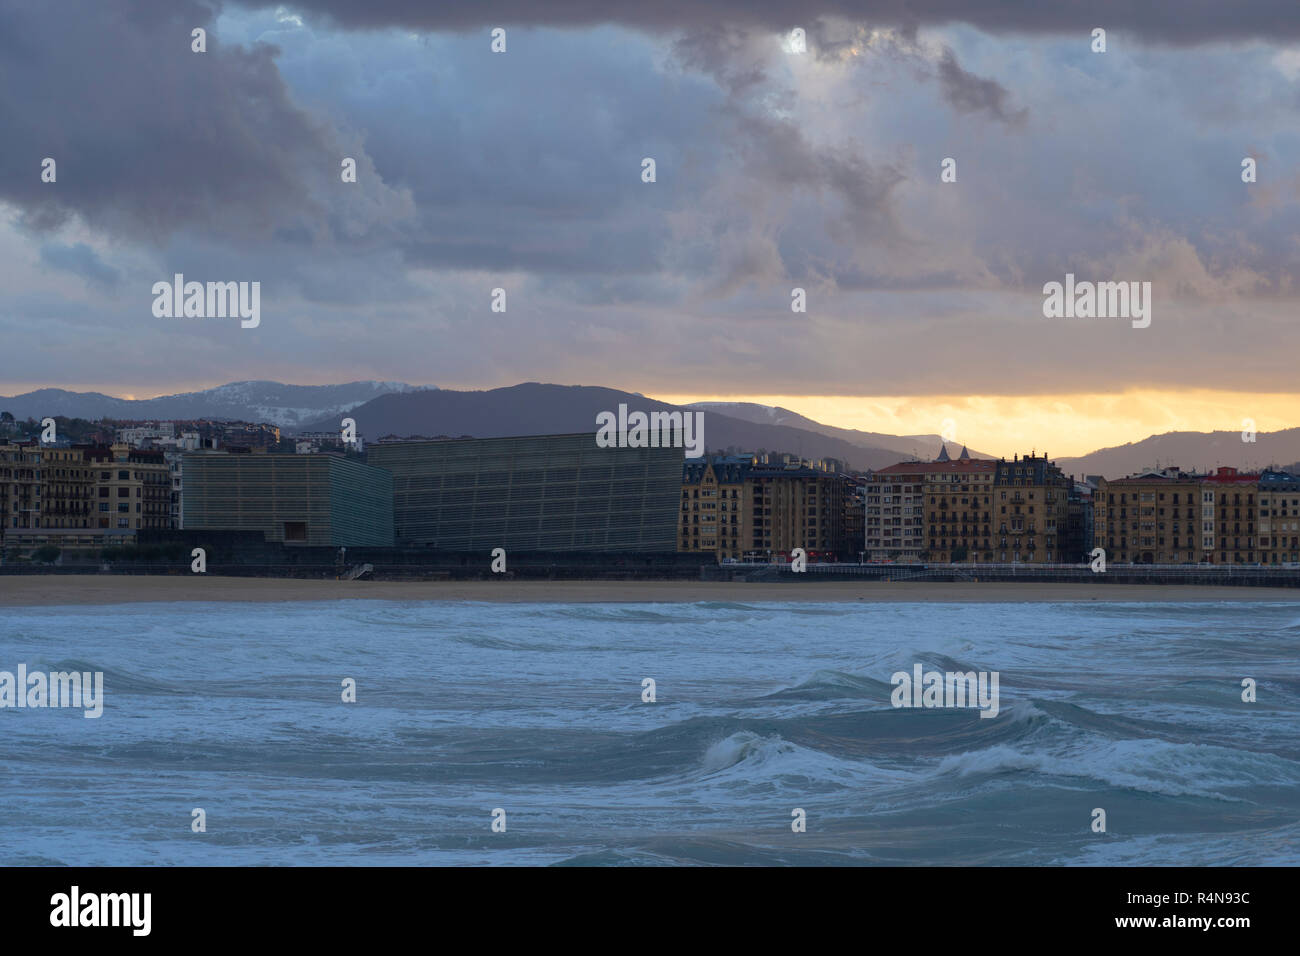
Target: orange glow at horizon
(1065,426)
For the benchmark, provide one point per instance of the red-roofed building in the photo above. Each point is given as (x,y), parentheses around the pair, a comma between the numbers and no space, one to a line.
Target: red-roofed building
(937,510)
(959,509)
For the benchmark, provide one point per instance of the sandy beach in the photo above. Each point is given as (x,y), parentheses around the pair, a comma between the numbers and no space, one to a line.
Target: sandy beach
(54,590)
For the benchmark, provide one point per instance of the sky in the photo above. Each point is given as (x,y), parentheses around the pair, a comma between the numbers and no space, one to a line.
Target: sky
(777,167)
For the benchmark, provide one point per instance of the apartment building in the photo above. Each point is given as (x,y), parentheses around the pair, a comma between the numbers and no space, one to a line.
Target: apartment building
(855,518)
(67,489)
(1077,544)
(80,497)
(1030,510)
(959,508)
(739,507)
(132,488)
(716,517)
(1157,517)
(895,513)
(799,507)
(20,485)
(1233,496)
(1279,518)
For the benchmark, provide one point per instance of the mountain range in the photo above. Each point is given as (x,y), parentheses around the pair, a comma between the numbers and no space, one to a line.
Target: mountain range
(908,446)
(285,405)
(1191,451)
(536,409)
(532,408)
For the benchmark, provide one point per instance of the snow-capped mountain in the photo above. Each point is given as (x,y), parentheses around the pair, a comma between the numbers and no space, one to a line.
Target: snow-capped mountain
(289,406)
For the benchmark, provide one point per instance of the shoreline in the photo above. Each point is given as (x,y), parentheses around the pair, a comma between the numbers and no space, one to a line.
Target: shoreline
(55,590)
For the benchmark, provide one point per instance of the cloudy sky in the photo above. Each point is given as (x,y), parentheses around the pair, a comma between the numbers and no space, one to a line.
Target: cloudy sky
(775,169)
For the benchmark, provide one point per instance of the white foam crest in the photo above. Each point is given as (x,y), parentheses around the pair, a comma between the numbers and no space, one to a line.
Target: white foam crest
(1153,766)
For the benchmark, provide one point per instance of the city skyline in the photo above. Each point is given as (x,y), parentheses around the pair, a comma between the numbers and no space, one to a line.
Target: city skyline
(725,433)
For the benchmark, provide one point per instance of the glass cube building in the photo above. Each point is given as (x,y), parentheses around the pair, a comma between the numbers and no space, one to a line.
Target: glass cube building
(537,493)
(297,499)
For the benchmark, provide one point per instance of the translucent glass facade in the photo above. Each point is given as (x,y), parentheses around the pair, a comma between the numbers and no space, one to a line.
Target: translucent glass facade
(542,493)
(298,499)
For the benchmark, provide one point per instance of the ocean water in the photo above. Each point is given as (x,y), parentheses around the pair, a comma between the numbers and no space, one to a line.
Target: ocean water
(761,708)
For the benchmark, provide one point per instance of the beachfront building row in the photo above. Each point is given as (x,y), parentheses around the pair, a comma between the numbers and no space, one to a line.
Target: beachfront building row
(1169,516)
(1027,511)
(535,493)
(970,510)
(563,492)
(81,496)
(737,507)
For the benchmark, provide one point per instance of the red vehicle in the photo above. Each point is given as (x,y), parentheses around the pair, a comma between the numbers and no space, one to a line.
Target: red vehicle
(814,556)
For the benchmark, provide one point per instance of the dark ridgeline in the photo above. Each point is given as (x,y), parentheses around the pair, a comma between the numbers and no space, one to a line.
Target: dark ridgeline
(537,409)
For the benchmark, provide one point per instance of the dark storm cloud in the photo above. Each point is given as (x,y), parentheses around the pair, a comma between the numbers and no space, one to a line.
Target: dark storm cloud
(779,158)
(1169,21)
(148,136)
(972,94)
(726,53)
(152,139)
(523,171)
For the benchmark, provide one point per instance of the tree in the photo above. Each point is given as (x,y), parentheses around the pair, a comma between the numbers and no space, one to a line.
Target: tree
(46,554)
(7,417)
(959,553)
